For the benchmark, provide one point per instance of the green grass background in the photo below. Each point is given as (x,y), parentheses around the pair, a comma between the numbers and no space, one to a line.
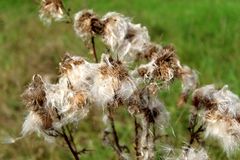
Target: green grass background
(206,34)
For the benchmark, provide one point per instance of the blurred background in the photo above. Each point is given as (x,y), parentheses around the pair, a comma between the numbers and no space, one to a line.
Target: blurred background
(206,34)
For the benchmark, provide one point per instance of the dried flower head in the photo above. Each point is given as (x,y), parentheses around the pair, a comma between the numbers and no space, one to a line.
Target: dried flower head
(52,106)
(165,67)
(51,10)
(151,51)
(87,24)
(144,102)
(107,82)
(223,100)
(112,84)
(221,110)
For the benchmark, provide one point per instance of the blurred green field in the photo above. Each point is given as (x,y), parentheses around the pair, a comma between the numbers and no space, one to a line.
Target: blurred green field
(206,34)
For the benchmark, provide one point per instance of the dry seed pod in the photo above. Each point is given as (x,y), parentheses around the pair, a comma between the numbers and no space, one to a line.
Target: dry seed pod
(87,24)
(165,67)
(51,10)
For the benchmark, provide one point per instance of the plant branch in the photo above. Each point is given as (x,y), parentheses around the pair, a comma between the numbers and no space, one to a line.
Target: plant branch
(137,147)
(73,151)
(111,138)
(194,130)
(114,132)
(71,138)
(94,49)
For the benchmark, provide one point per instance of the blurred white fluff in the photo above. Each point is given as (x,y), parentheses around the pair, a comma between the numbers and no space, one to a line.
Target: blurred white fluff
(138,37)
(126,89)
(51,10)
(70,105)
(193,154)
(227,101)
(221,115)
(10,140)
(82,23)
(189,79)
(189,83)
(145,103)
(123,37)
(161,115)
(81,75)
(103,90)
(31,124)
(223,128)
(202,94)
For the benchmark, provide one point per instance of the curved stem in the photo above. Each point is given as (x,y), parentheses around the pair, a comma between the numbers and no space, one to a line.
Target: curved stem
(73,151)
(94,49)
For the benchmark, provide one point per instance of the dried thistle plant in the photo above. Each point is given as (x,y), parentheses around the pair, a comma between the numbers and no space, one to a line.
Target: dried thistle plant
(112,83)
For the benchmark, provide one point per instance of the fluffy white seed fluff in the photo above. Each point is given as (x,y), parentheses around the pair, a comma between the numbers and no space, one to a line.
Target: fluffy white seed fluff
(223,128)
(223,99)
(115,29)
(123,37)
(81,76)
(189,79)
(98,79)
(227,101)
(162,119)
(194,154)
(31,124)
(138,37)
(103,90)
(126,89)
(69,104)
(51,107)
(221,115)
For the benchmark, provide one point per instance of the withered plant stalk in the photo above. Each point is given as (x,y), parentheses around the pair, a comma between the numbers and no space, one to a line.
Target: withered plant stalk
(94,49)
(112,81)
(70,143)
